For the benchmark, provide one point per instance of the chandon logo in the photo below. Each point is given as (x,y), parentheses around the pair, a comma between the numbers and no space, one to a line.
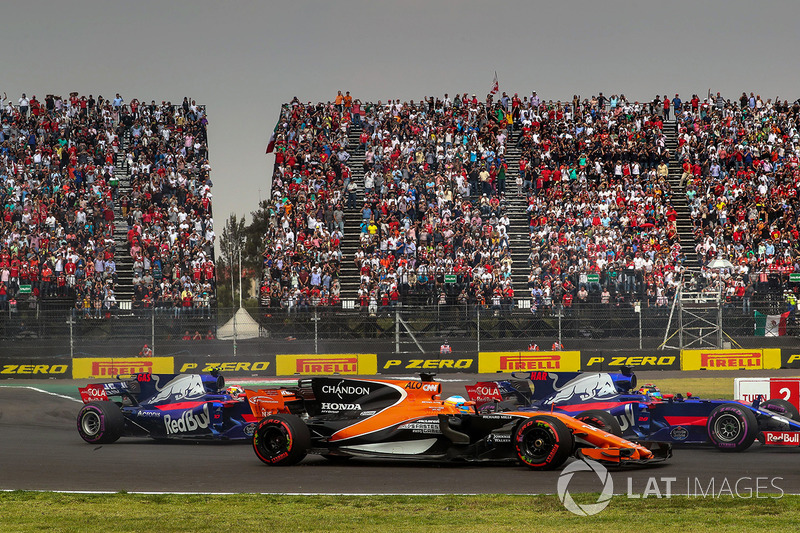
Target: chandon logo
(188,421)
(340,389)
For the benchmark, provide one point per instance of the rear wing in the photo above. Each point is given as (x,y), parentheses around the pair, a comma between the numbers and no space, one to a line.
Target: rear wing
(103,392)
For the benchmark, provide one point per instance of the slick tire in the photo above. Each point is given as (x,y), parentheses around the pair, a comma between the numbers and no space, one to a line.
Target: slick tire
(543,443)
(100,422)
(601,420)
(732,427)
(783,408)
(281,440)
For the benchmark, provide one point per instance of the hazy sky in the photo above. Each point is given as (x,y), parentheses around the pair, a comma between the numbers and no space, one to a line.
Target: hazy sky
(244,58)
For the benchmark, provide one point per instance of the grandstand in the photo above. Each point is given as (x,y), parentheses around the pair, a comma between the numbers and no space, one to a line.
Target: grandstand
(106,205)
(518,203)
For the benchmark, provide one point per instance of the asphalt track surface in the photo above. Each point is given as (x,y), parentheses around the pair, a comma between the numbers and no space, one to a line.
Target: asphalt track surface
(40,450)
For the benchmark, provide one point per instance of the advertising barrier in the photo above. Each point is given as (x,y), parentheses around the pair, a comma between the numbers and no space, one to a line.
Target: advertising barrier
(228,366)
(747,389)
(108,367)
(743,359)
(48,367)
(414,364)
(612,361)
(326,365)
(790,358)
(492,362)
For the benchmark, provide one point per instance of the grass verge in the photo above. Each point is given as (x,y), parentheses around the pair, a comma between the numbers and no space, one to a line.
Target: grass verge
(38,511)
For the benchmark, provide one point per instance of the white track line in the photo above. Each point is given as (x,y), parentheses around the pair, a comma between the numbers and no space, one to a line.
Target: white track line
(42,391)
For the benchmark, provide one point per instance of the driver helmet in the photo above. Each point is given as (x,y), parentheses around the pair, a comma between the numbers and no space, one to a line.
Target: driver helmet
(235,391)
(460,403)
(648,389)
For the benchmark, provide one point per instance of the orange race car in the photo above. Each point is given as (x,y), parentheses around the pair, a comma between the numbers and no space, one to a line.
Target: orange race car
(353,417)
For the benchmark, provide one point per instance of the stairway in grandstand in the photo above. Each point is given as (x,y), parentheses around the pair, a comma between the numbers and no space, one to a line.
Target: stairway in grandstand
(518,233)
(348,274)
(123,259)
(679,202)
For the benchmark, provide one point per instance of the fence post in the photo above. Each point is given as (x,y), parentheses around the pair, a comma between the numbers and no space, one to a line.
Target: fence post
(153,330)
(478,308)
(71,337)
(560,314)
(396,330)
(315,319)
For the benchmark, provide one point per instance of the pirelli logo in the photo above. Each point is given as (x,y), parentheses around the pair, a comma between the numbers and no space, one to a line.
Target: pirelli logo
(747,360)
(328,364)
(530,362)
(741,359)
(566,361)
(86,367)
(102,369)
(344,365)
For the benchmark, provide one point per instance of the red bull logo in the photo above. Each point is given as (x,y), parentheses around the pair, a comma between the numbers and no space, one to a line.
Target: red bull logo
(731,360)
(314,365)
(509,363)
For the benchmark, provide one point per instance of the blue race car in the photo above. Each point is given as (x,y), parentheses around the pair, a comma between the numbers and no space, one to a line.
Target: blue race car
(165,406)
(613,402)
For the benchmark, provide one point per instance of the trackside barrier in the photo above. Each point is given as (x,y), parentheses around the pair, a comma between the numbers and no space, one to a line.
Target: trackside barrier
(743,359)
(492,362)
(38,368)
(228,366)
(321,365)
(412,364)
(747,389)
(108,367)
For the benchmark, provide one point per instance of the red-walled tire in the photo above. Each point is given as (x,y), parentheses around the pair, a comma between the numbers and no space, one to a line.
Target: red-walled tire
(732,427)
(100,422)
(543,443)
(281,440)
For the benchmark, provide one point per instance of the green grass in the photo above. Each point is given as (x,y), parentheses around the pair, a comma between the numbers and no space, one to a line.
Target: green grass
(33,511)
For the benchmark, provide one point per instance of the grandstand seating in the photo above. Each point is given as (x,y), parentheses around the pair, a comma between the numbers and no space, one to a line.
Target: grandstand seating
(75,170)
(461,201)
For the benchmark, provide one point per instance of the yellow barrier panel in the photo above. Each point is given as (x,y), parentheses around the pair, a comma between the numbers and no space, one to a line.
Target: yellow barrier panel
(491,362)
(108,367)
(772,358)
(322,365)
(744,359)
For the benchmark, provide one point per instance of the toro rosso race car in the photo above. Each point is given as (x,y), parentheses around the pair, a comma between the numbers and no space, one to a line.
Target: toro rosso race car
(612,402)
(341,418)
(165,406)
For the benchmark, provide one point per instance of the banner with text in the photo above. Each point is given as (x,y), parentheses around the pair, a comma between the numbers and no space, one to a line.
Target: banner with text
(326,365)
(790,358)
(107,368)
(613,362)
(743,359)
(414,364)
(228,366)
(47,367)
(492,362)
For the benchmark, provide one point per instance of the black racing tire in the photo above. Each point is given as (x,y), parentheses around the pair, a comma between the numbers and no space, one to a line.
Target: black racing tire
(781,407)
(543,442)
(601,420)
(732,427)
(281,440)
(100,422)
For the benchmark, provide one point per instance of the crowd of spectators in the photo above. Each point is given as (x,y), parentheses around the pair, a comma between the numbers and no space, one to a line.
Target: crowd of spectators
(169,207)
(602,224)
(58,198)
(739,160)
(302,254)
(594,173)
